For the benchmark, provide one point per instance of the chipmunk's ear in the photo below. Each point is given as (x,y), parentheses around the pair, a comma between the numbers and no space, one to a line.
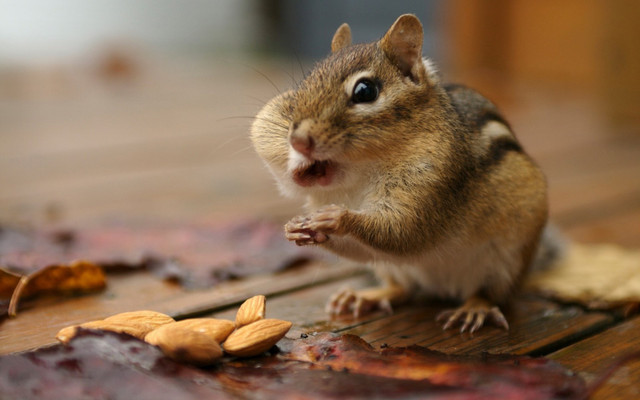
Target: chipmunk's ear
(341,39)
(403,44)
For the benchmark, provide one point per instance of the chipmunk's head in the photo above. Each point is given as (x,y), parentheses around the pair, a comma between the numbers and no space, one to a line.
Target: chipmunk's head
(363,104)
(357,104)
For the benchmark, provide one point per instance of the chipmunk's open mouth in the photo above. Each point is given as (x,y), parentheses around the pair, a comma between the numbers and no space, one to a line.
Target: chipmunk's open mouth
(318,172)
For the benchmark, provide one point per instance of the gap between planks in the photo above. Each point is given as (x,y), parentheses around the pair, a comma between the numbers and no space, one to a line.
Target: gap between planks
(592,357)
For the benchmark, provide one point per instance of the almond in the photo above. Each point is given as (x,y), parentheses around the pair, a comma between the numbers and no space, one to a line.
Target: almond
(185,345)
(145,319)
(139,331)
(218,329)
(256,338)
(65,334)
(134,323)
(251,310)
(68,333)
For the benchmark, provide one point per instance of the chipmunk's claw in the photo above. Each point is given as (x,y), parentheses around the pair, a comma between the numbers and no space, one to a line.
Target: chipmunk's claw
(347,301)
(472,316)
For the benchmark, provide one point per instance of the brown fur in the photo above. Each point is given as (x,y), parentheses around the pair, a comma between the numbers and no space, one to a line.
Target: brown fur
(436,165)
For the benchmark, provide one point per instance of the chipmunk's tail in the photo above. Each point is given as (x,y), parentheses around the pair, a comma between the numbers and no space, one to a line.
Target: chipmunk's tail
(553,246)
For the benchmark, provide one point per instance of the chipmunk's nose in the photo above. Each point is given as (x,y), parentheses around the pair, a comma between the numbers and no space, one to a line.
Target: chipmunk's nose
(301,140)
(303,144)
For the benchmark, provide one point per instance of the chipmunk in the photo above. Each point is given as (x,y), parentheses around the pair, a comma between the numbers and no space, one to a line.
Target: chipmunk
(423,181)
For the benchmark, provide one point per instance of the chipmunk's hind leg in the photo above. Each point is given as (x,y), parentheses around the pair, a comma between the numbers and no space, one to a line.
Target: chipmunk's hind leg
(472,315)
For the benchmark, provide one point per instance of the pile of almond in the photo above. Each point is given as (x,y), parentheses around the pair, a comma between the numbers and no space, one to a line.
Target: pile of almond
(198,341)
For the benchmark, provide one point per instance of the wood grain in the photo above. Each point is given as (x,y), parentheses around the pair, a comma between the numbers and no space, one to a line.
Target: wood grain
(593,356)
(37,325)
(620,226)
(536,326)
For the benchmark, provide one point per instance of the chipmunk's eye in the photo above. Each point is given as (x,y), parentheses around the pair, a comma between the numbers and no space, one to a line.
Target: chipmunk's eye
(365,91)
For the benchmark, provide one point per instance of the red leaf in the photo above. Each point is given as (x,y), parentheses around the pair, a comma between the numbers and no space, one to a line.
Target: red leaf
(117,366)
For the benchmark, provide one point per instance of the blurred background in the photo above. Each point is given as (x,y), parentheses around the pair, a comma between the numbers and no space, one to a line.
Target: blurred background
(141,109)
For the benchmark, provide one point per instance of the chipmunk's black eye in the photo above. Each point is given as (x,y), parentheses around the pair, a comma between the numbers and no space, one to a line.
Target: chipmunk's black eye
(365,91)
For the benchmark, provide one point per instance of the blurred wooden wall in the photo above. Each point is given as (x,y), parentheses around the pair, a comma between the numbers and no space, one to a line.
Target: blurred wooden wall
(590,45)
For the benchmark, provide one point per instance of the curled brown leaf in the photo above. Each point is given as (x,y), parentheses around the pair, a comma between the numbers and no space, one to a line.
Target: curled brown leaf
(77,277)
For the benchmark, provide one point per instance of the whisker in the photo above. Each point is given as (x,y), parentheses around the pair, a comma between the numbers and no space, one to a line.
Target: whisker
(226,142)
(260,101)
(280,125)
(266,77)
(235,117)
(242,150)
(274,123)
(292,77)
(304,73)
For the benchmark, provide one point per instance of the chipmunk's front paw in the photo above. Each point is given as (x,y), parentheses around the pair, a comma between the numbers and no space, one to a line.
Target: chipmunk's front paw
(316,227)
(472,315)
(297,230)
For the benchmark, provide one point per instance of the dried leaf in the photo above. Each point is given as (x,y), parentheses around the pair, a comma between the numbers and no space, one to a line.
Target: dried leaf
(598,276)
(78,277)
(8,282)
(118,366)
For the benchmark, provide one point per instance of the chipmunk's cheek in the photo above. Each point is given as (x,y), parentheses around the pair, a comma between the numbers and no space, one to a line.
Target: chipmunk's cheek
(317,173)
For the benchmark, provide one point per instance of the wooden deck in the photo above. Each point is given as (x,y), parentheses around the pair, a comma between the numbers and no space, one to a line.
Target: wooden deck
(172,145)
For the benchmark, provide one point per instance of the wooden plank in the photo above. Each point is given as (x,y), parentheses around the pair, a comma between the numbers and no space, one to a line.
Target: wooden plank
(622,227)
(591,358)
(592,177)
(595,198)
(173,102)
(163,153)
(187,193)
(536,326)
(37,326)
(306,307)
